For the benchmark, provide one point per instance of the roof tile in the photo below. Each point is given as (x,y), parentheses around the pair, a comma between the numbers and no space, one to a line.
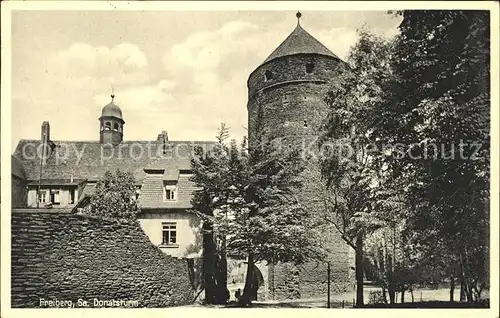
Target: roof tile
(299,42)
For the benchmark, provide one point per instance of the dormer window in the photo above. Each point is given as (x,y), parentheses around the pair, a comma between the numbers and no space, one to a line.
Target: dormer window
(268,75)
(309,68)
(170,192)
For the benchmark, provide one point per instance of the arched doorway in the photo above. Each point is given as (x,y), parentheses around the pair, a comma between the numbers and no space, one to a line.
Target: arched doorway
(237,270)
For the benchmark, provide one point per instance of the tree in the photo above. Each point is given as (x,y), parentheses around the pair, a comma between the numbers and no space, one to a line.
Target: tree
(114,196)
(211,174)
(248,196)
(354,195)
(270,222)
(439,110)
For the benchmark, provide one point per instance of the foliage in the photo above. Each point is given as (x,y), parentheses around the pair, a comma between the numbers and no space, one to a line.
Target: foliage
(437,109)
(114,196)
(210,174)
(248,195)
(421,103)
(356,198)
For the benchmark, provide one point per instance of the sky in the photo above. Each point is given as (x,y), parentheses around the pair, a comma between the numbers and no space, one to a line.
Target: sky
(183,72)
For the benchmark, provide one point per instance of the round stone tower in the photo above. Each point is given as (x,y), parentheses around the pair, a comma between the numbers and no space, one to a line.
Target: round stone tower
(288,89)
(111,124)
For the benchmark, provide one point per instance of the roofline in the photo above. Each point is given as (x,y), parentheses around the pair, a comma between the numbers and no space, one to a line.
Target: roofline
(125,141)
(74,184)
(284,56)
(154,169)
(163,210)
(111,117)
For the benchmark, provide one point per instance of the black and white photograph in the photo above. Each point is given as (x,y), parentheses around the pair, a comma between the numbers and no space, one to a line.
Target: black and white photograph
(258,155)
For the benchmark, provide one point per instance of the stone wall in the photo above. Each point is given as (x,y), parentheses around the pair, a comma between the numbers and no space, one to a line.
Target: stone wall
(71,257)
(292,98)
(19,192)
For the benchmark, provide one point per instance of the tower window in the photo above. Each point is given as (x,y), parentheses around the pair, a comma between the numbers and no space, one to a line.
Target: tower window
(268,76)
(115,127)
(107,125)
(285,101)
(309,68)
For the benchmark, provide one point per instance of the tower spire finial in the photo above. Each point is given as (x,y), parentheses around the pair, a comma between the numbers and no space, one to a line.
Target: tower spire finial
(112,93)
(298,15)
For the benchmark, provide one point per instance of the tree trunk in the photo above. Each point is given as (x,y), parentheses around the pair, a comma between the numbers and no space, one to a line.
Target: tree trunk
(412,298)
(221,280)
(249,290)
(463,293)
(359,271)
(382,273)
(209,263)
(392,295)
(470,297)
(465,275)
(452,288)
(402,296)
(222,276)
(391,288)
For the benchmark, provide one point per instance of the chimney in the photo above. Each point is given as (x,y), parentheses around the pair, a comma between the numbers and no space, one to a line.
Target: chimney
(162,140)
(45,140)
(45,132)
(162,137)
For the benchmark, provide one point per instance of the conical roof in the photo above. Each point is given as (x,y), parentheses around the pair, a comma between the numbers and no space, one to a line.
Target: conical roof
(299,42)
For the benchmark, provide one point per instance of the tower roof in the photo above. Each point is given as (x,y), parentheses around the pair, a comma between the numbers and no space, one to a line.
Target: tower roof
(299,42)
(112,110)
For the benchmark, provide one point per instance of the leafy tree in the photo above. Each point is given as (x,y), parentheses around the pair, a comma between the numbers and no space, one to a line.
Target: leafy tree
(248,197)
(355,195)
(114,196)
(270,222)
(210,173)
(438,108)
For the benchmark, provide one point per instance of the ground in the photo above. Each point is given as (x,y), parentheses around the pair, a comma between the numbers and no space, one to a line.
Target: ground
(434,297)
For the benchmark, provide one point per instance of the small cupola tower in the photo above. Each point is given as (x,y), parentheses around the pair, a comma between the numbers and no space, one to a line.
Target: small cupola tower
(111,124)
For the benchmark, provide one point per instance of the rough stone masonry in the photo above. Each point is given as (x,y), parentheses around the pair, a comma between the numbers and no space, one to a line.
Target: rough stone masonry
(289,88)
(64,257)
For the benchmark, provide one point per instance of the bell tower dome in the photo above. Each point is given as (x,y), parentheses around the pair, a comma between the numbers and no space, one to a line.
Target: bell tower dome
(111,124)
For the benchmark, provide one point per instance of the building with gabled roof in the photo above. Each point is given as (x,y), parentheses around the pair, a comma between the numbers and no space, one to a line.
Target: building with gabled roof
(62,175)
(289,86)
